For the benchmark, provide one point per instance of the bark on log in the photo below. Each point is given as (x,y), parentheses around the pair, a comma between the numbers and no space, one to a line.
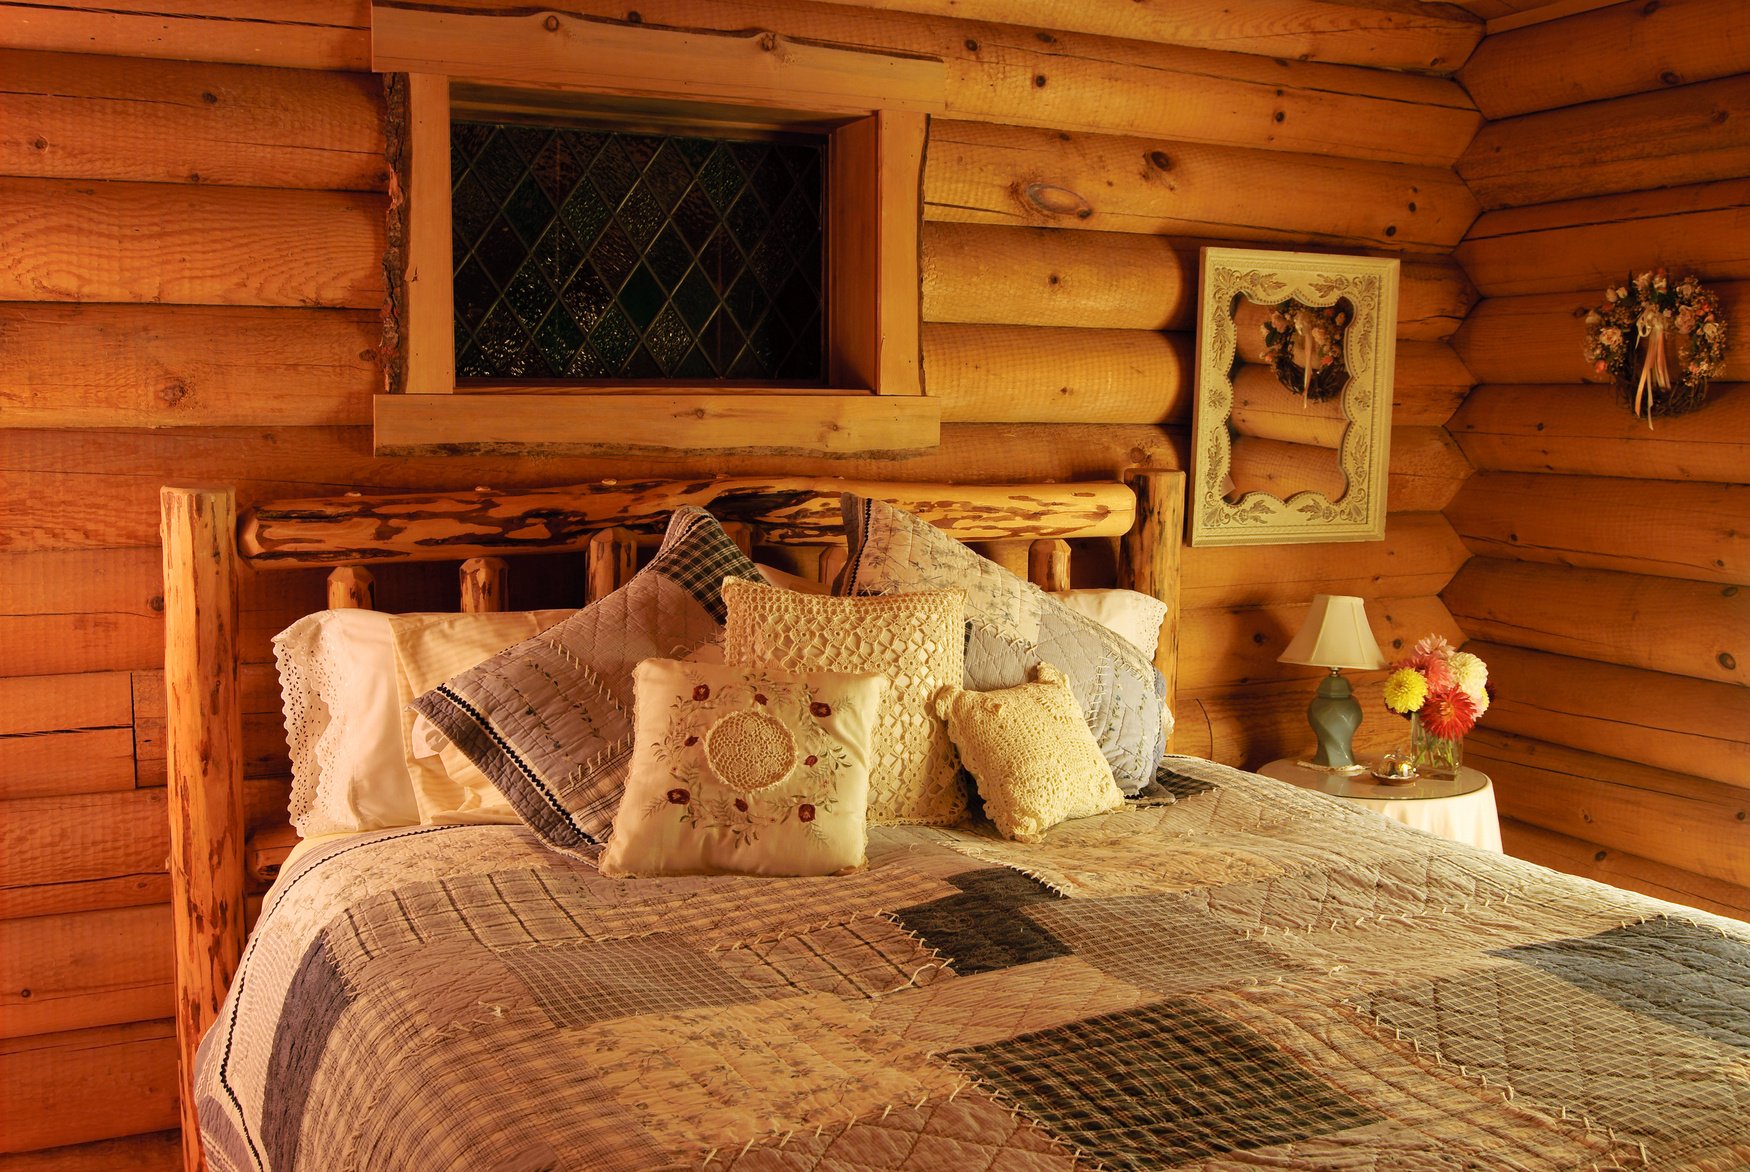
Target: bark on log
(1149,558)
(482,582)
(351,588)
(1048,564)
(1667,528)
(979,173)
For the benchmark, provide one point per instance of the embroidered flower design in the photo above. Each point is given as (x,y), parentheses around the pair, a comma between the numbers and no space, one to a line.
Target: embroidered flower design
(805,812)
(759,697)
(811,759)
(820,709)
(702,692)
(679,796)
(690,741)
(741,805)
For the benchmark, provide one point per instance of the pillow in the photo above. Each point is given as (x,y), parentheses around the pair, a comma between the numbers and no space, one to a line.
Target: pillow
(1016,625)
(745,770)
(1030,750)
(430,648)
(354,764)
(549,721)
(915,640)
(1130,613)
(784,579)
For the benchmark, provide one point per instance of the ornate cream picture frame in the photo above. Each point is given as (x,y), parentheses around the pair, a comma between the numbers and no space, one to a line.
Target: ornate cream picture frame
(1346,440)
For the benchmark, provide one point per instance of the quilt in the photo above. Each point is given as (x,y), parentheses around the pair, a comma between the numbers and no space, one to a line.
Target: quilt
(1249,976)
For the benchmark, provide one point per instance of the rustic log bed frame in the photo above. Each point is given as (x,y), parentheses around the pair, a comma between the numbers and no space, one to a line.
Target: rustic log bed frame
(1024,527)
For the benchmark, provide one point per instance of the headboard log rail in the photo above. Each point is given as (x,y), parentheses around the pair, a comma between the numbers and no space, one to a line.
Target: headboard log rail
(1025,527)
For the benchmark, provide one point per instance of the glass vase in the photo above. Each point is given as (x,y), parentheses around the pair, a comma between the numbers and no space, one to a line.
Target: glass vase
(1435,756)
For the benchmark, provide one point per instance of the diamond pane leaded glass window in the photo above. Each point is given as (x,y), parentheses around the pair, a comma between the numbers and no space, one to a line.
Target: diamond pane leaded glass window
(596,254)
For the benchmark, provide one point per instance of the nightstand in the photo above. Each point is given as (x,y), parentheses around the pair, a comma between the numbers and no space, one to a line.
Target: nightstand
(1461,808)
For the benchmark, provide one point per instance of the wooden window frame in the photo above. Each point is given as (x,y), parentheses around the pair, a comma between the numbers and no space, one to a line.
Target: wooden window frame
(874,110)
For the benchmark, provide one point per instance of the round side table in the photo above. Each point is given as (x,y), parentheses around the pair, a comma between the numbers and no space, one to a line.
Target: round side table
(1461,808)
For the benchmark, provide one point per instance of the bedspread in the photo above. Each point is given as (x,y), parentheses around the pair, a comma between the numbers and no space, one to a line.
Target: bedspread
(1251,976)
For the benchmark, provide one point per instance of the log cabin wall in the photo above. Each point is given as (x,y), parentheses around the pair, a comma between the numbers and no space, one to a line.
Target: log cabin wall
(1607,590)
(192,207)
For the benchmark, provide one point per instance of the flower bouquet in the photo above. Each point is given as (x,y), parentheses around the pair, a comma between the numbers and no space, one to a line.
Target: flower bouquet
(1443,692)
(1678,332)
(1304,346)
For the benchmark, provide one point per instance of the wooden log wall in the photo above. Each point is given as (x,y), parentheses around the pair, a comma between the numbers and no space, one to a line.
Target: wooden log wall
(1610,584)
(192,200)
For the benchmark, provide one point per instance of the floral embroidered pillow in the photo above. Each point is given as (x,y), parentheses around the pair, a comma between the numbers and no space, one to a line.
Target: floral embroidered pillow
(745,770)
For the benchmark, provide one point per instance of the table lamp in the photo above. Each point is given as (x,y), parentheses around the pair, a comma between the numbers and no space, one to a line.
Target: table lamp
(1335,635)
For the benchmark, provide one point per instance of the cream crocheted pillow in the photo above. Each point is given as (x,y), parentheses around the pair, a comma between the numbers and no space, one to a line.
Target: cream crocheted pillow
(918,641)
(745,770)
(1032,754)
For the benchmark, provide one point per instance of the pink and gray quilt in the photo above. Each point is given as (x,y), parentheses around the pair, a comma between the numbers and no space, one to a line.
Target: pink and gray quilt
(1248,977)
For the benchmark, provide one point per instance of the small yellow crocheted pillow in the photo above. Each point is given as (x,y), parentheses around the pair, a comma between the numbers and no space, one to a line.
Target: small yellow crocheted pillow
(1030,751)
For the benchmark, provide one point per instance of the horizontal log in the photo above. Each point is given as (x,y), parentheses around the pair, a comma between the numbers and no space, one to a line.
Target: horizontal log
(79,761)
(1671,529)
(1672,818)
(354,529)
(1287,29)
(50,1082)
(1035,374)
(1669,722)
(1427,470)
(1584,431)
(153,1151)
(1018,76)
(1589,860)
(1589,244)
(1538,338)
(1698,629)
(1419,555)
(65,703)
(99,365)
(53,496)
(88,117)
(980,173)
(1627,48)
(1232,646)
(316,34)
(84,895)
(78,971)
(178,243)
(76,837)
(1690,134)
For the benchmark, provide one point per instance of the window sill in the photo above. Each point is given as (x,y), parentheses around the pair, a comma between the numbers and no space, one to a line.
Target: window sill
(820,423)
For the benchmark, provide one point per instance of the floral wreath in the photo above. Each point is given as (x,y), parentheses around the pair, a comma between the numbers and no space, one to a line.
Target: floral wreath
(1673,328)
(1304,345)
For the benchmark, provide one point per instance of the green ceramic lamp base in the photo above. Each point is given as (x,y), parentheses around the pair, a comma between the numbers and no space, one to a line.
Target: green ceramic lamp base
(1334,714)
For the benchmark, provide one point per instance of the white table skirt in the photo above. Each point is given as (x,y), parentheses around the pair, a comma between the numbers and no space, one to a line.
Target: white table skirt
(1469,817)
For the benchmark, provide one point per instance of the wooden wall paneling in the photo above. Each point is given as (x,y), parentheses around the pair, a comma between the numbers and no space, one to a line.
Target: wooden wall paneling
(980,173)
(1584,431)
(1592,243)
(1673,529)
(72,612)
(1427,470)
(1226,646)
(264,729)
(1434,295)
(315,34)
(1690,134)
(73,838)
(86,760)
(1019,76)
(1429,382)
(1669,722)
(1035,374)
(1413,39)
(1672,818)
(153,1151)
(45,705)
(71,240)
(98,365)
(74,972)
(1699,629)
(89,117)
(1537,338)
(84,1085)
(1625,48)
(1621,869)
(1251,724)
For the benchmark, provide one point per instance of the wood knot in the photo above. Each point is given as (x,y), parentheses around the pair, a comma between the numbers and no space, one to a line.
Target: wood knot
(1718,117)
(551,24)
(173,392)
(1727,661)
(1038,81)
(41,144)
(1282,116)
(1671,77)
(634,17)
(155,604)
(1057,201)
(1391,229)
(1046,38)
(1650,7)
(971,45)
(768,41)
(209,97)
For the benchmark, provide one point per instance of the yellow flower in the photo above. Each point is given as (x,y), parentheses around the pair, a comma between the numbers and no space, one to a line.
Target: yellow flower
(1405,689)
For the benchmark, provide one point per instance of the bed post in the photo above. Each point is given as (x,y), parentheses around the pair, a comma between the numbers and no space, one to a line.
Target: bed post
(1149,555)
(205,767)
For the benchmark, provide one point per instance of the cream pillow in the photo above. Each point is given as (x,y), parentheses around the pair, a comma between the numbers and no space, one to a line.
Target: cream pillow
(1032,754)
(1130,613)
(745,770)
(918,641)
(429,649)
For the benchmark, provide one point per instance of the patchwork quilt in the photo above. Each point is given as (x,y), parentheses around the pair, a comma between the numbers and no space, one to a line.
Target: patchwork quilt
(1251,976)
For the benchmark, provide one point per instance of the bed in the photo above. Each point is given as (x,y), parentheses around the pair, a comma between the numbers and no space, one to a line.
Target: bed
(1222,971)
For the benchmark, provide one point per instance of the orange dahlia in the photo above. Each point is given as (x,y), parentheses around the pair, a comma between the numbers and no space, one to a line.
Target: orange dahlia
(1449,713)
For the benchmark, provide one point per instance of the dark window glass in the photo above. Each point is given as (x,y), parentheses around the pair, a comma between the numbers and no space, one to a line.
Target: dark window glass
(596,254)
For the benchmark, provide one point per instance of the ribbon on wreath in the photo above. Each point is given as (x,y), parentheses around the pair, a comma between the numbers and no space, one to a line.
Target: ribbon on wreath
(1655,376)
(1303,327)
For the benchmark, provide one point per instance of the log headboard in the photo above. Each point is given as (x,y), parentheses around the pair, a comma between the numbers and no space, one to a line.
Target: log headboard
(1025,527)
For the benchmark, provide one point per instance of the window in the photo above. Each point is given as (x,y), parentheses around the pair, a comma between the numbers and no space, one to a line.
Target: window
(824,361)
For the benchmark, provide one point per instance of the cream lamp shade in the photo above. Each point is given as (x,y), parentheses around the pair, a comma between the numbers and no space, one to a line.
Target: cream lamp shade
(1335,635)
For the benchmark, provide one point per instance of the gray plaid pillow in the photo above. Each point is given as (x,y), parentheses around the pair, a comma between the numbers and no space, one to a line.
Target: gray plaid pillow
(1014,625)
(549,721)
